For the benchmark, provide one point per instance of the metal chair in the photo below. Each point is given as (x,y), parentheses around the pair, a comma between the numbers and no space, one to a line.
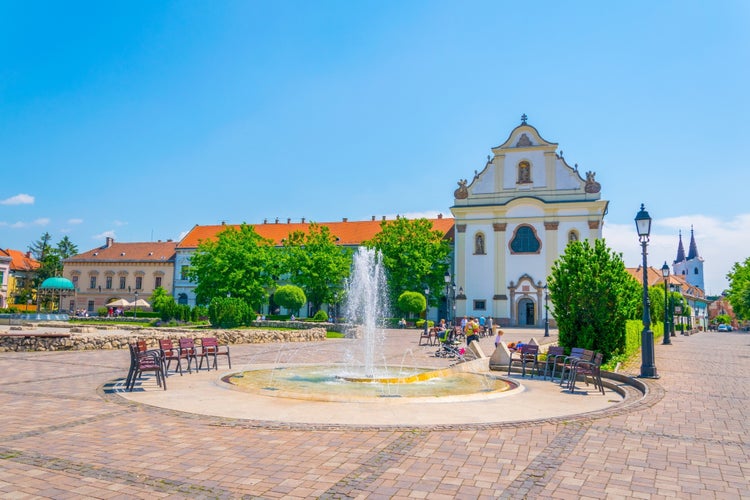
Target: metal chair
(528,353)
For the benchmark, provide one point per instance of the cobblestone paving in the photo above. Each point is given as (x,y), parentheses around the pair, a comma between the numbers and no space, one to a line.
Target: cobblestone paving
(64,436)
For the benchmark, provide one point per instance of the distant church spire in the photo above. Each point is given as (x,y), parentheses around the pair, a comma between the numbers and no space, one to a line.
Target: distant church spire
(680,251)
(693,251)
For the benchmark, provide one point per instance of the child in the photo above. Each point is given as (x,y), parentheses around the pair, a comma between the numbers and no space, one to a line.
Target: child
(498,337)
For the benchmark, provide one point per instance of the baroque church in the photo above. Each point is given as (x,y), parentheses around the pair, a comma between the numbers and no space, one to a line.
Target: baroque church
(512,220)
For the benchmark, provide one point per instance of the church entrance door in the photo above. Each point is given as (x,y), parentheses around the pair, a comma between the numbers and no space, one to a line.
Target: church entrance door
(526,314)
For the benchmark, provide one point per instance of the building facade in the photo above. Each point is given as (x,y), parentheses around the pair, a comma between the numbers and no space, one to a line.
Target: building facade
(348,233)
(5,261)
(21,275)
(119,271)
(513,220)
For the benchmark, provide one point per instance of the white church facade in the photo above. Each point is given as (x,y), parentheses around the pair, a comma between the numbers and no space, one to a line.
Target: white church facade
(513,220)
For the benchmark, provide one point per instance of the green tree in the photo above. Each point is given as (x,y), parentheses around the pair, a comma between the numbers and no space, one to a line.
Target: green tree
(239,263)
(65,248)
(159,299)
(290,297)
(412,302)
(41,247)
(593,296)
(739,289)
(414,255)
(51,258)
(317,264)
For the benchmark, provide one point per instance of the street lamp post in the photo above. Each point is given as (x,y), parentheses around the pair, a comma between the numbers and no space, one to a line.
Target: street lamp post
(546,312)
(671,309)
(648,368)
(447,278)
(135,309)
(665,273)
(426,309)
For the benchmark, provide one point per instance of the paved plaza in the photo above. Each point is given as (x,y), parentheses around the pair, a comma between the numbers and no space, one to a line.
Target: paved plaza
(69,433)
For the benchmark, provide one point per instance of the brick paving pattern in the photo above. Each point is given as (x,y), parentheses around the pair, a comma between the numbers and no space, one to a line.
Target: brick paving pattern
(65,435)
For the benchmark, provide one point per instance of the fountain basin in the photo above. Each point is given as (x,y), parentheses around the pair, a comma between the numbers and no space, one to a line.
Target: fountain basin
(335,383)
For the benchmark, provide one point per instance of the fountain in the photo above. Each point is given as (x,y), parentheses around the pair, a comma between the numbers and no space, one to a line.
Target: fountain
(363,375)
(280,384)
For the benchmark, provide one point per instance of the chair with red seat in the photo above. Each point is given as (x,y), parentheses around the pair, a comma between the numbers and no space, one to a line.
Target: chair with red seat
(145,361)
(210,348)
(188,352)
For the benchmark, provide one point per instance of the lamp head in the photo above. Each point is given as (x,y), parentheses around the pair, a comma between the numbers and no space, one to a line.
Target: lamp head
(447,277)
(665,270)
(643,223)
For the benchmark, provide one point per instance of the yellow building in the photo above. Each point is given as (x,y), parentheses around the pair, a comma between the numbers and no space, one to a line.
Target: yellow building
(119,271)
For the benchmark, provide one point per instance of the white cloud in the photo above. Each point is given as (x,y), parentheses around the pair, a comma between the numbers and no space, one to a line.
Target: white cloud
(75,221)
(19,199)
(104,235)
(721,243)
(119,223)
(42,221)
(18,225)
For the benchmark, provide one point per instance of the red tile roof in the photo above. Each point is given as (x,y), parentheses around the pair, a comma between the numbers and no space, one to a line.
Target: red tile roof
(152,251)
(349,233)
(21,261)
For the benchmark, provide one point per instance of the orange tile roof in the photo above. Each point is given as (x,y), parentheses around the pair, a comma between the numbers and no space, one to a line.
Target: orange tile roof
(21,261)
(349,233)
(655,278)
(155,251)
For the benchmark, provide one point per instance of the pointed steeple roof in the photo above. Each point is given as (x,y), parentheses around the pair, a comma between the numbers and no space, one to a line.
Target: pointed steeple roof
(680,250)
(693,251)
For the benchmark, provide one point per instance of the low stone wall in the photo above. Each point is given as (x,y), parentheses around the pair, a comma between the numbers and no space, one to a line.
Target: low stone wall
(89,338)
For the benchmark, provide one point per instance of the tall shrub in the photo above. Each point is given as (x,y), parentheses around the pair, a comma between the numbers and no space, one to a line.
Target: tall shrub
(593,296)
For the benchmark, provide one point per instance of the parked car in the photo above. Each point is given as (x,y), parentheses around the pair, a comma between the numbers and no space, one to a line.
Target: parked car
(725,328)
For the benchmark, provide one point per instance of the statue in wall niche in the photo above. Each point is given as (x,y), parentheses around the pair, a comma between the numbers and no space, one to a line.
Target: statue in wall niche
(462,192)
(591,185)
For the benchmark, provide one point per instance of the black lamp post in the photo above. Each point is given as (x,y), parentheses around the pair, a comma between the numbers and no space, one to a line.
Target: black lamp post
(135,309)
(546,312)
(671,309)
(447,278)
(648,368)
(426,309)
(665,273)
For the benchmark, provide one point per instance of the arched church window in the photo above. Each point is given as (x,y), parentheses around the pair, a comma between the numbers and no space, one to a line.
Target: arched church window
(524,172)
(695,271)
(525,240)
(479,244)
(683,271)
(572,236)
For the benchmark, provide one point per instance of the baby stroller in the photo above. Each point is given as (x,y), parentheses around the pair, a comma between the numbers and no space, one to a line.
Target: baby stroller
(449,346)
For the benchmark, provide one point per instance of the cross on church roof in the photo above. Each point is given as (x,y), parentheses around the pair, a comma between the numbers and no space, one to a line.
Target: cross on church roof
(523,119)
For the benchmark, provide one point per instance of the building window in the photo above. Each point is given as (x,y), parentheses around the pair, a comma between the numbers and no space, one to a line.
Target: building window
(157,282)
(75,281)
(90,306)
(182,299)
(480,305)
(572,236)
(183,272)
(524,172)
(695,271)
(138,282)
(92,283)
(479,244)
(525,241)
(122,282)
(108,283)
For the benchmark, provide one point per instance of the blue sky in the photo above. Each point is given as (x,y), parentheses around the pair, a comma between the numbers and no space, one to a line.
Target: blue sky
(140,119)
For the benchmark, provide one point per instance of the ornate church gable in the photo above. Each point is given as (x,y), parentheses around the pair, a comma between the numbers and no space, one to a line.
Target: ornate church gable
(526,165)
